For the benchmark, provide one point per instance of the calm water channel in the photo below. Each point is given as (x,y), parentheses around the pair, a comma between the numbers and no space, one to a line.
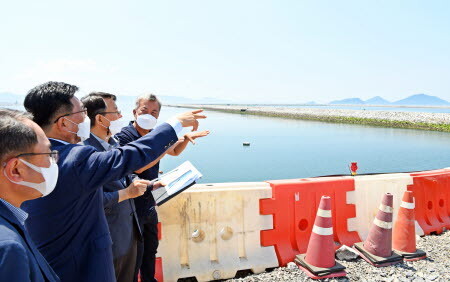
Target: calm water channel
(284,148)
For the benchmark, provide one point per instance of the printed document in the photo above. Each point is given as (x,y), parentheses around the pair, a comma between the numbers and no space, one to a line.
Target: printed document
(175,182)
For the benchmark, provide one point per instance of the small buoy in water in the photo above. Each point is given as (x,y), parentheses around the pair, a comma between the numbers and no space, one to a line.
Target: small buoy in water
(246,143)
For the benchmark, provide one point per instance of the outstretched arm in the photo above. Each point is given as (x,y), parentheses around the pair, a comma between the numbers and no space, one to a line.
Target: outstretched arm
(182,143)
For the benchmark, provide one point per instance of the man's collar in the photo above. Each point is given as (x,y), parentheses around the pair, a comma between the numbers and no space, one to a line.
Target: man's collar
(20,214)
(61,141)
(112,143)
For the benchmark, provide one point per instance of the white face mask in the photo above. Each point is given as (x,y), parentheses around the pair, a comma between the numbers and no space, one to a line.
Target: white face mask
(50,175)
(146,121)
(115,126)
(84,128)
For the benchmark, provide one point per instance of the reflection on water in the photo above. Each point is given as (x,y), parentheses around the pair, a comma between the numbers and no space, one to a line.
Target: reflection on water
(284,148)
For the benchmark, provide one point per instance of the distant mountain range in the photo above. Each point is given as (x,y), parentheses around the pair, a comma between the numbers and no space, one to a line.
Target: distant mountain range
(10,98)
(414,100)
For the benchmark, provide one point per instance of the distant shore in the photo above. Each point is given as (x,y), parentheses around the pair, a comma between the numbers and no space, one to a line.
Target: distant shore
(411,120)
(331,105)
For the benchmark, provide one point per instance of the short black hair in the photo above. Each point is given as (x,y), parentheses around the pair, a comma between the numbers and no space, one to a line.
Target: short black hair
(15,136)
(48,101)
(95,104)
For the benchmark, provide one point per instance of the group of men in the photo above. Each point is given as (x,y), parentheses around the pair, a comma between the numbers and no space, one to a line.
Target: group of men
(75,185)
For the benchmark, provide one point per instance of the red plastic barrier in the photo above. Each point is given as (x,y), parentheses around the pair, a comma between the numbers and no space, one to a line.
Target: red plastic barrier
(294,204)
(159,270)
(158,262)
(431,190)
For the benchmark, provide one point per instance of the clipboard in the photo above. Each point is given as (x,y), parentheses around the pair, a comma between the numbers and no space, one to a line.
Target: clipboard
(176,180)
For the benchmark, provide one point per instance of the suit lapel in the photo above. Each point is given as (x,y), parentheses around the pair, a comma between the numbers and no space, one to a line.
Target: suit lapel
(11,218)
(92,141)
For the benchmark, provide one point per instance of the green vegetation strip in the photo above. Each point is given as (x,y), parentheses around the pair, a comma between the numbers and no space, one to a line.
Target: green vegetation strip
(339,119)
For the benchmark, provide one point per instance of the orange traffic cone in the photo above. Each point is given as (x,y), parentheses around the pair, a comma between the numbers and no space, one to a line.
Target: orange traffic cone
(319,262)
(404,236)
(377,249)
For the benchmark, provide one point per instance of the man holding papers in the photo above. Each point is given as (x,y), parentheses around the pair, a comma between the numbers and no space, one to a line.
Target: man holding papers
(118,195)
(69,226)
(146,114)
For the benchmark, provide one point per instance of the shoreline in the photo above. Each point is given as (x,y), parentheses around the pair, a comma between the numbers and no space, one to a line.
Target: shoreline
(333,105)
(407,120)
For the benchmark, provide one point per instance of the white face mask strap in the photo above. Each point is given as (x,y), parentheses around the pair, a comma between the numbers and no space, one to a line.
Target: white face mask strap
(32,166)
(107,120)
(73,123)
(36,186)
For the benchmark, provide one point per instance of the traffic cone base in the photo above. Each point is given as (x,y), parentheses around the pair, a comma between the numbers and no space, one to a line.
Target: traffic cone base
(376,260)
(319,261)
(418,255)
(319,272)
(404,233)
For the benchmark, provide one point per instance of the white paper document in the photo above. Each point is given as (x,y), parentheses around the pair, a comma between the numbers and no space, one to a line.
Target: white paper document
(176,181)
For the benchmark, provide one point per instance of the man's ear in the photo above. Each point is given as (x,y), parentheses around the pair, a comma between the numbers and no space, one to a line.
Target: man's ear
(61,123)
(98,119)
(13,170)
(134,113)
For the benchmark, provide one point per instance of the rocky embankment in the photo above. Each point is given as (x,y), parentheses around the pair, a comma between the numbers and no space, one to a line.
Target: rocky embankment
(436,267)
(414,120)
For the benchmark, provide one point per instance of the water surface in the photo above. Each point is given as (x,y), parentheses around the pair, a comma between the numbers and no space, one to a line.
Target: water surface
(286,148)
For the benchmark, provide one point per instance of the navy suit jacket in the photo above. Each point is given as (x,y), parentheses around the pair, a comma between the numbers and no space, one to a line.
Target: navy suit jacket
(69,226)
(19,258)
(121,217)
(145,204)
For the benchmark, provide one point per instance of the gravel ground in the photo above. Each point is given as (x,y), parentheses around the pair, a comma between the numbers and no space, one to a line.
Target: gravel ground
(415,117)
(436,267)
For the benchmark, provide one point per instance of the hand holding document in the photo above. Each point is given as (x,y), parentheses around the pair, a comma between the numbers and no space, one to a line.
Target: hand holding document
(175,182)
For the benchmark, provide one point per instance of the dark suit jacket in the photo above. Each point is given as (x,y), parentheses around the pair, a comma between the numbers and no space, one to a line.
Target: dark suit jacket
(19,258)
(121,217)
(69,226)
(145,204)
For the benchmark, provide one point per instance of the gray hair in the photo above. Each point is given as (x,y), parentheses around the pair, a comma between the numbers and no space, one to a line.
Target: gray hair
(148,97)
(15,136)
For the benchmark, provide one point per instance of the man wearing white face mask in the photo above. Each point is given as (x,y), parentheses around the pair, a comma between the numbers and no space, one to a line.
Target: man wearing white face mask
(146,114)
(69,226)
(28,171)
(117,195)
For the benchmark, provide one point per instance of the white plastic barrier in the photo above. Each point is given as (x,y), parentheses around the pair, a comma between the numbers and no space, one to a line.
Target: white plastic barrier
(369,190)
(212,231)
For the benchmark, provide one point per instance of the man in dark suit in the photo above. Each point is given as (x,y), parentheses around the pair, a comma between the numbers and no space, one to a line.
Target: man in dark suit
(146,114)
(118,194)
(24,154)
(69,226)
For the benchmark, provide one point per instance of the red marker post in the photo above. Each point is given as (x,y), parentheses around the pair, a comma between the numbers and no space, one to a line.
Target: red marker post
(353,168)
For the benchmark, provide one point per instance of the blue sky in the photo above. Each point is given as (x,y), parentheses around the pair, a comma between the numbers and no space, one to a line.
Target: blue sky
(258,51)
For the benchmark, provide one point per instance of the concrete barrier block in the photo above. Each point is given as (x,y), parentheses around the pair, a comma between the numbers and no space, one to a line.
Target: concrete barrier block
(211,231)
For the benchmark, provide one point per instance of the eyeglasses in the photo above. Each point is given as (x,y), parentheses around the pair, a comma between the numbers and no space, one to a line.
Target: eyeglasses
(66,115)
(53,154)
(116,112)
